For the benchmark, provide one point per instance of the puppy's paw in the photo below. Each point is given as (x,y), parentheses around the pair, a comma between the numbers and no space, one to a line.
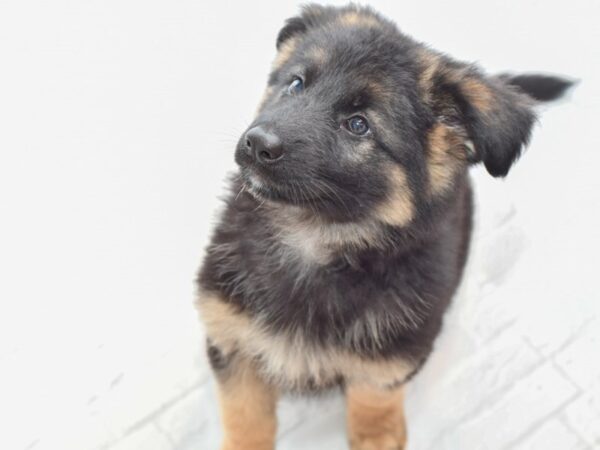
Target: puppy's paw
(247,446)
(385,441)
(375,419)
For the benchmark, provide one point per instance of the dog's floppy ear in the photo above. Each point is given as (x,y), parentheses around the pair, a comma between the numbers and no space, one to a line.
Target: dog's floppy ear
(494,118)
(293,26)
(311,15)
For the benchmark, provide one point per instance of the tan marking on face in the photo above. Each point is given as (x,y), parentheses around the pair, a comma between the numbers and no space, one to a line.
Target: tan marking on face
(375,417)
(377,89)
(446,157)
(379,120)
(398,208)
(318,55)
(287,359)
(268,92)
(357,19)
(381,95)
(248,409)
(285,52)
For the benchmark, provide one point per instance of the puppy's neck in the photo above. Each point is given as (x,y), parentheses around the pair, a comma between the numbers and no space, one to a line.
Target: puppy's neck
(318,240)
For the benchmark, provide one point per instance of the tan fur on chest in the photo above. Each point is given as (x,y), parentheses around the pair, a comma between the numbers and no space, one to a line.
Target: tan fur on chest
(316,242)
(287,359)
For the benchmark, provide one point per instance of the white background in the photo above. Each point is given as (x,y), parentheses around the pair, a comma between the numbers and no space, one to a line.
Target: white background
(118,121)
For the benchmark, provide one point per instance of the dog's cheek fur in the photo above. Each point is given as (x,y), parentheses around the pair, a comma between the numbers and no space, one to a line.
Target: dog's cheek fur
(446,158)
(397,209)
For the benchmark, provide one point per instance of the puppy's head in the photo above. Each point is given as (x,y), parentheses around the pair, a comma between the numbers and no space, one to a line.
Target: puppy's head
(360,121)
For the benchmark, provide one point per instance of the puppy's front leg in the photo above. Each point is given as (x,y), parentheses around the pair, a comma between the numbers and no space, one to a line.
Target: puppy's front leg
(248,404)
(375,418)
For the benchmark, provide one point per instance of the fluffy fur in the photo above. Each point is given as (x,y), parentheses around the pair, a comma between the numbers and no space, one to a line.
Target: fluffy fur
(337,253)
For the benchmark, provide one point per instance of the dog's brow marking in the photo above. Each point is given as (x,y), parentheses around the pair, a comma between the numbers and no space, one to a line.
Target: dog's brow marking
(397,209)
(268,92)
(378,90)
(445,157)
(354,18)
(285,52)
(317,54)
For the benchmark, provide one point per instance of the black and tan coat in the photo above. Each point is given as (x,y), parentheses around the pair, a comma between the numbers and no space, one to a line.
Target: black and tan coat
(347,228)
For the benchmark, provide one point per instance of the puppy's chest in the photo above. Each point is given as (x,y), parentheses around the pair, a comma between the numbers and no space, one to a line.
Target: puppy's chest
(285,263)
(302,270)
(304,314)
(288,358)
(308,277)
(294,268)
(306,248)
(297,280)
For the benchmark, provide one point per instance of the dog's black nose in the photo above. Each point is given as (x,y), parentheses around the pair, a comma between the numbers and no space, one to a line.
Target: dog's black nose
(264,146)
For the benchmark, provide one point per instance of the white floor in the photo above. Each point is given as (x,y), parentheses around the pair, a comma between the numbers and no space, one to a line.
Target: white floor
(118,125)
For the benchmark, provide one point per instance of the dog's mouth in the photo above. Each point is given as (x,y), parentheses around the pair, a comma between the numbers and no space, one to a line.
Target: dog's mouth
(258,187)
(295,193)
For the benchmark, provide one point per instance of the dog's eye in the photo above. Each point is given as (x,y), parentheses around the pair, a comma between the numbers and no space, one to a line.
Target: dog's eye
(296,86)
(357,125)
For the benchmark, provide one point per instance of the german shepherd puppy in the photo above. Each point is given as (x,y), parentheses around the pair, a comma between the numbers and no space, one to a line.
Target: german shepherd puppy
(347,228)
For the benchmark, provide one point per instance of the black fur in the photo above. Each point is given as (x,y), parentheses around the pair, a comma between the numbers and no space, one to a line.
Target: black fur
(544,88)
(409,273)
(222,364)
(293,26)
(217,359)
(422,272)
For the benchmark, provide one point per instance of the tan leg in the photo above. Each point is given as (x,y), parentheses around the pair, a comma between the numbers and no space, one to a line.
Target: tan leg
(375,418)
(248,408)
